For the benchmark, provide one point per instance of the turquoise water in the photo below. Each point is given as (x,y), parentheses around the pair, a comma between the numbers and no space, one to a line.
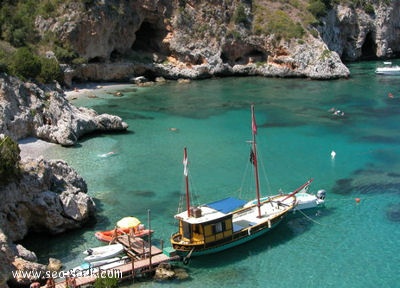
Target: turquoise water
(346,244)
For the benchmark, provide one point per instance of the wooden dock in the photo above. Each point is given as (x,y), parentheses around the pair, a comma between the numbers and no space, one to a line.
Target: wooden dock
(143,258)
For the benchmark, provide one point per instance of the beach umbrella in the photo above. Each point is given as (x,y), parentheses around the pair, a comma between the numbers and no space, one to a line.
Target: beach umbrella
(128,222)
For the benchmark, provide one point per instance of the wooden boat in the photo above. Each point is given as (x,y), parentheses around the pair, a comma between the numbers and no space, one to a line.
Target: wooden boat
(226,223)
(109,235)
(103,252)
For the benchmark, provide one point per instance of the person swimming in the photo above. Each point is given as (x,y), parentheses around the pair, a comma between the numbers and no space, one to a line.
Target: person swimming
(105,155)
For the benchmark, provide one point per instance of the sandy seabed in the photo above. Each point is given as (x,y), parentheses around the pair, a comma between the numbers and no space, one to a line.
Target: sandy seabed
(89,89)
(33,147)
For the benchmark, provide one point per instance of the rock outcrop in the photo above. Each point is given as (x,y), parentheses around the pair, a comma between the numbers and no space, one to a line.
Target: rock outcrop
(183,39)
(31,111)
(49,197)
(355,34)
(196,39)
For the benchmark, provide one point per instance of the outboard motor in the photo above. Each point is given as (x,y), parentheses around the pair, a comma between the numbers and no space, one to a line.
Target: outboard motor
(321,194)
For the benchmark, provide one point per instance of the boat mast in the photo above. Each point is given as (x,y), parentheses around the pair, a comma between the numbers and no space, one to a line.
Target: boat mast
(185,172)
(254,158)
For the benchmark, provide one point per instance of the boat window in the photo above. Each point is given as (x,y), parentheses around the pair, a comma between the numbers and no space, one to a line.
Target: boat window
(196,228)
(187,231)
(218,227)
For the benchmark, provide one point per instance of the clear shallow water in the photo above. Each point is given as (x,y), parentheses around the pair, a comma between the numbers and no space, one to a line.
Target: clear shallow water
(344,245)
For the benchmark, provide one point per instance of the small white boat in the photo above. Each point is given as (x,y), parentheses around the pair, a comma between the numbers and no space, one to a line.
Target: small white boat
(114,264)
(304,199)
(390,70)
(86,268)
(103,252)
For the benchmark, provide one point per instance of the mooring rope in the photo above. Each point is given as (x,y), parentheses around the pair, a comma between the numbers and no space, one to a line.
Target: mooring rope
(309,218)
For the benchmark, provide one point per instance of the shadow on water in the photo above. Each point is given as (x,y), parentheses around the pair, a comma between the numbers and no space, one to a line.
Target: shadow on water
(368,181)
(57,244)
(99,134)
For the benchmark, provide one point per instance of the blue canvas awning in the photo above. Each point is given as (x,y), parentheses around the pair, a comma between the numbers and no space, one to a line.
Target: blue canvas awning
(227,205)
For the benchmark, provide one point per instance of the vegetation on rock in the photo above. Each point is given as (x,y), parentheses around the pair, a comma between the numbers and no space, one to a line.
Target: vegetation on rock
(9,160)
(106,282)
(73,30)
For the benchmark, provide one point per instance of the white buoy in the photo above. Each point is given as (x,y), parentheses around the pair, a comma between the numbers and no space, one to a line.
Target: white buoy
(333,154)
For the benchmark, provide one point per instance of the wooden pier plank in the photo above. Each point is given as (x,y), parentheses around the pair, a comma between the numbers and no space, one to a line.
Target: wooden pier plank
(125,270)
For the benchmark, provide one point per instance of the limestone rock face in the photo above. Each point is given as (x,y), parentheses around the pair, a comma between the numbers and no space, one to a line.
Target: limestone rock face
(7,255)
(21,264)
(355,34)
(50,197)
(181,39)
(28,110)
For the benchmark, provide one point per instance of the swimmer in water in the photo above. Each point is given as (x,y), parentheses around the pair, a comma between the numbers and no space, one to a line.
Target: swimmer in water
(111,153)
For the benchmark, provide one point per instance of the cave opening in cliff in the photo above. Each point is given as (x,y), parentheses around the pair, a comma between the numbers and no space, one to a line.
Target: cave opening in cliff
(96,60)
(368,49)
(256,56)
(149,38)
(252,56)
(115,55)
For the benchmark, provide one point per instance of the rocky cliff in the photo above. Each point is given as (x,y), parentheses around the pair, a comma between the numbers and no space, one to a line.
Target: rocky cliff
(191,39)
(49,197)
(355,34)
(29,110)
(198,39)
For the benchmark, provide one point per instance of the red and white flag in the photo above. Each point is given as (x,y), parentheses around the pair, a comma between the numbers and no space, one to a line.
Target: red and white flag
(253,121)
(185,163)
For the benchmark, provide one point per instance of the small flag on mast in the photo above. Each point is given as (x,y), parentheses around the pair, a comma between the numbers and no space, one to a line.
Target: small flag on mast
(253,159)
(253,121)
(185,162)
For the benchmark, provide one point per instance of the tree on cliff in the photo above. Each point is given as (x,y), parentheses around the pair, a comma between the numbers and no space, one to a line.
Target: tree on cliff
(25,64)
(9,159)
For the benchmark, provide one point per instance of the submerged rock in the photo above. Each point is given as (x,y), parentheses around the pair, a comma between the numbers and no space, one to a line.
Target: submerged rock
(393,212)
(54,265)
(166,271)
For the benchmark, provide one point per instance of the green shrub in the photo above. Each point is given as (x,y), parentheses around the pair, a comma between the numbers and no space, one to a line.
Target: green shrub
(240,15)
(9,160)
(25,64)
(369,9)
(79,61)
(50,70)
(317,8)
(107,282)
(17,22)
(279,23)
(64,55)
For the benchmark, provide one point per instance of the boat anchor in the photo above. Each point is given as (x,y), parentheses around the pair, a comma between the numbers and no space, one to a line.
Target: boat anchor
(186,259)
